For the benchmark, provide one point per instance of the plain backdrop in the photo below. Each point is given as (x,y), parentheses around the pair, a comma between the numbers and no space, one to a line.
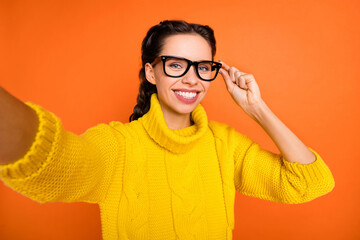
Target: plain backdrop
(80,60)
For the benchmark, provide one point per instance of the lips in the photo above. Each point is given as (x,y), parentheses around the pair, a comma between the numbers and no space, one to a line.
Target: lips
(186,95)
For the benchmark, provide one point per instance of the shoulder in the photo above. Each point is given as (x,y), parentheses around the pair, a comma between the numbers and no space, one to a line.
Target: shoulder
(226,132)
(115,131)
(214,125)
(220,129)
(126,129)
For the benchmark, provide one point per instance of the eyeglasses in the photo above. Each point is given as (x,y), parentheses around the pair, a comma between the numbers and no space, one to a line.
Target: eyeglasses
(178,67)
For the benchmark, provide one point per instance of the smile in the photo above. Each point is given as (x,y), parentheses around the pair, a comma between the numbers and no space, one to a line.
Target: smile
(187,95)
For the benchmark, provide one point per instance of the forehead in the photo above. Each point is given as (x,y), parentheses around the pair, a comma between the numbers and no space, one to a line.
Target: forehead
(190,46)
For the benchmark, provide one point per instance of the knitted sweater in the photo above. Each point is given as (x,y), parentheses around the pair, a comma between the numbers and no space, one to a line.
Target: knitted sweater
(152,182)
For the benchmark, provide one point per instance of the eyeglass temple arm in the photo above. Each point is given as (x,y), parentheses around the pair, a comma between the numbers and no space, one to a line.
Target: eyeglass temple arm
(215,67)
(156,60)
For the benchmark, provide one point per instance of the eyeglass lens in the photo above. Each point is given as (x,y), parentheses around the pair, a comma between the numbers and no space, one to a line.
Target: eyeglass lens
(176,67)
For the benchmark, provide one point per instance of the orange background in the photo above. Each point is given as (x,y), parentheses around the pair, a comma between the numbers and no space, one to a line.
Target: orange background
(80,60)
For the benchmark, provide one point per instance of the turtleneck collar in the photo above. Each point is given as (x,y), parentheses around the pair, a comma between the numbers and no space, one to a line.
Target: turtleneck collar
(179,140)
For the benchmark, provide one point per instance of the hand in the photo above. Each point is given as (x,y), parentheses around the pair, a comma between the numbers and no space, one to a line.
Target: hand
(242,88)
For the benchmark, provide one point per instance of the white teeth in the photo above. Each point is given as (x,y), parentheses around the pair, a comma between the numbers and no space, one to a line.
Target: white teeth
(188,95)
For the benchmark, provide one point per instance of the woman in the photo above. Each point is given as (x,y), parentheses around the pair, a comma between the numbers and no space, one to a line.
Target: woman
(169,173)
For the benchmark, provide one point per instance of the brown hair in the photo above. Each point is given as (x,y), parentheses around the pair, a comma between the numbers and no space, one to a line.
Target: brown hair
(151,48)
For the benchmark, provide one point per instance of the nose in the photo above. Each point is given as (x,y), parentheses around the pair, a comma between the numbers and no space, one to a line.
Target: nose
(191,77)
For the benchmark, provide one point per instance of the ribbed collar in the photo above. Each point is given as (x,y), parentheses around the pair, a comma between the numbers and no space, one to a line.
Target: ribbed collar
(179,140)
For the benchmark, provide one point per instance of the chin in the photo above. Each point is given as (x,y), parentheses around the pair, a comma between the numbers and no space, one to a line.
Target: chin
(186,110)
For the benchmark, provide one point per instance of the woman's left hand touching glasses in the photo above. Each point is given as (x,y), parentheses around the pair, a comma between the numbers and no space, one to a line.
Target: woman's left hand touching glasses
(243,89)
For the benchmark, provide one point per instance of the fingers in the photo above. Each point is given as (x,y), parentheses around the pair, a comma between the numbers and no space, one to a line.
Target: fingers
(224,65)
(227,79)
(237,77)
(242,80)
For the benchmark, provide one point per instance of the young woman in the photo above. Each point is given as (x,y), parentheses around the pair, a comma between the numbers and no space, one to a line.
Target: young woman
(169,173)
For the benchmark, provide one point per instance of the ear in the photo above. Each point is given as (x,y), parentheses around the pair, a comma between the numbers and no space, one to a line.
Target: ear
(149,73)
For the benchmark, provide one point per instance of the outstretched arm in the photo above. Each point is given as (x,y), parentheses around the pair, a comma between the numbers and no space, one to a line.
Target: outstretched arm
(18,127)
(246,93)
(60,165)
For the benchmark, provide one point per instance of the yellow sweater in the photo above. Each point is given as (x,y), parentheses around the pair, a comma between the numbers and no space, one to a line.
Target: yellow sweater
(152,182)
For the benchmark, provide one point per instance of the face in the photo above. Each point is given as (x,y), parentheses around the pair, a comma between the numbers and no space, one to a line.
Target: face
(181,95)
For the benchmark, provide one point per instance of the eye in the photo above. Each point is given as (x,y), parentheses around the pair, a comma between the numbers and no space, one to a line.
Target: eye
(175,65)
(204,67)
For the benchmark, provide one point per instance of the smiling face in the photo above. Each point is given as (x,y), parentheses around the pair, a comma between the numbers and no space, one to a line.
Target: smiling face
(180,96)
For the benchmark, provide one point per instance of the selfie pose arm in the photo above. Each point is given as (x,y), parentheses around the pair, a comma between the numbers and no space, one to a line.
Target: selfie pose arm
(45,162)
(18,127)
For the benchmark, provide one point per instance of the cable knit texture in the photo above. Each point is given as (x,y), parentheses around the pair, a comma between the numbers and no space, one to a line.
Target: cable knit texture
(152,182)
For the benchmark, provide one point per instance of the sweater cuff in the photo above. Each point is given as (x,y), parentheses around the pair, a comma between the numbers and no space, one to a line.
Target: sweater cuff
(40,150)
(312,172)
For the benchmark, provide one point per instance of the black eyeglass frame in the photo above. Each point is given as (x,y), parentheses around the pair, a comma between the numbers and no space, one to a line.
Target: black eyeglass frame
(217,66)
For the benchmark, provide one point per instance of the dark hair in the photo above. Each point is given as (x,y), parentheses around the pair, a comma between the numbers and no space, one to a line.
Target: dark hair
(151,48)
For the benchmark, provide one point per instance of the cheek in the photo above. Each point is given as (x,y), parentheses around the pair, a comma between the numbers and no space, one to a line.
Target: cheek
(157,76)
(164,84)
(206,86)
(159,80)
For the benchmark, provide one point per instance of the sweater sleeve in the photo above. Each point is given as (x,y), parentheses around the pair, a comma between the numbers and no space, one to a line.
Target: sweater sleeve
(63,166)
(266,175)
